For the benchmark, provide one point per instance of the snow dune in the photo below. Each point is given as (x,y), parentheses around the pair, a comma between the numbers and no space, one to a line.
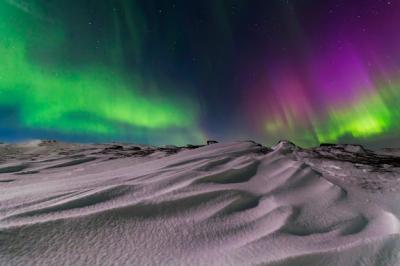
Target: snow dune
(222,204)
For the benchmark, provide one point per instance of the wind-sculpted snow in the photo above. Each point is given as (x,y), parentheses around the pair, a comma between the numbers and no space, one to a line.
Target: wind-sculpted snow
(221,204)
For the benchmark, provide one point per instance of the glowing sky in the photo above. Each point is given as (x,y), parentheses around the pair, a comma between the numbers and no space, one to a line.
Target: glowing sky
(89,99)
(183,71)
(342,85)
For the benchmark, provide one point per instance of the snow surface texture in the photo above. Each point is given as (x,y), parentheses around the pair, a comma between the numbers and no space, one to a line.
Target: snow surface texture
(222,204)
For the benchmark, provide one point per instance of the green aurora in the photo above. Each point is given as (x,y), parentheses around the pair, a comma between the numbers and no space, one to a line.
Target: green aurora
(373,114)
(91,100)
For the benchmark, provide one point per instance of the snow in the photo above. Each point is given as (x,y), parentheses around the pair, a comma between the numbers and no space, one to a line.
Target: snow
(222,204)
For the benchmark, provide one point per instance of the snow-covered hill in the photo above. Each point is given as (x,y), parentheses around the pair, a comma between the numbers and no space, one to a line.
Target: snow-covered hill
(222,204)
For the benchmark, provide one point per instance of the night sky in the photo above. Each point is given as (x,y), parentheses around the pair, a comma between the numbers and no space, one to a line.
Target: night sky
(178,72)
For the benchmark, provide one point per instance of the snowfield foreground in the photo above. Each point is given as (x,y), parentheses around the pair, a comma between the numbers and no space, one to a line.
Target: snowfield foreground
(222,204)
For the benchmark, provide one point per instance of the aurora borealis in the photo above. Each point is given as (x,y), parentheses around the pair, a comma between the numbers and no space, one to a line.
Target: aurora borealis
(177,72)
(89,99)
(343,85)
